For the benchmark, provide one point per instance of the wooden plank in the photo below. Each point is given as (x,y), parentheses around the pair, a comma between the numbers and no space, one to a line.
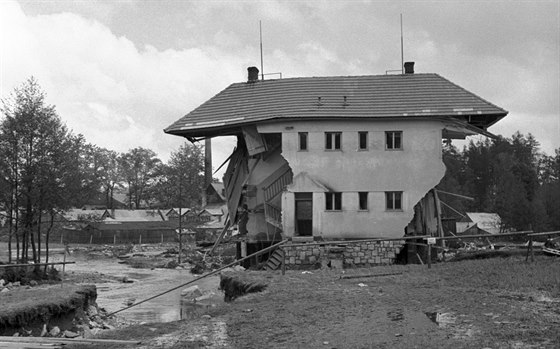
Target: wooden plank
(50,340)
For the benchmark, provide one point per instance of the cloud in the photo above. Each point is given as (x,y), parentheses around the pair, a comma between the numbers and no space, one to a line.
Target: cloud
(117,95)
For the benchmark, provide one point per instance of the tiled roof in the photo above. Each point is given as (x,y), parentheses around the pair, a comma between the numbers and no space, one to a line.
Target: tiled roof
(377,96)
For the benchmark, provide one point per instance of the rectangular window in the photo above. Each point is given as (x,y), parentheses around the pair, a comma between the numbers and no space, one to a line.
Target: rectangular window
(333,201)
(333,140)
(393,200)
(393,140)
(362,198)
(302,140)
(362,140)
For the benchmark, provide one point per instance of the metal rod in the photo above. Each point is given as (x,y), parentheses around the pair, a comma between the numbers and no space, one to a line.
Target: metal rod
(545,233)
(201,277)
(402,49)
(262,68)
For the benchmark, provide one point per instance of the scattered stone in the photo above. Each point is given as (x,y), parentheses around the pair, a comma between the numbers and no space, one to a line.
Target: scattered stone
(129,301)
(206,317)
(108,327)
(239,268)
(326,343)
(70,334)
(33,283)
(126,280)
(15,334)
(54,332)
(362,285)
(2,282)
(248,310)
(191,292)
(5,289)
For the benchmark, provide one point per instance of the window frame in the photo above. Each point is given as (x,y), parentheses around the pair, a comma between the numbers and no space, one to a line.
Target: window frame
(363,197)
(391,135)
(305,136)
(331,139)
(391,200)
(366,136)
(333,201)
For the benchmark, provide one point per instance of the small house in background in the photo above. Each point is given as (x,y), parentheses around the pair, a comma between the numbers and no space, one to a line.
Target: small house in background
(133,215)
(173,213)
(479,223)
(333,158)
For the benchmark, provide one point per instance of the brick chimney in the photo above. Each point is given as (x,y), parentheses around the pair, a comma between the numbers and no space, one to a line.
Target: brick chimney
(253,74)
(409,67)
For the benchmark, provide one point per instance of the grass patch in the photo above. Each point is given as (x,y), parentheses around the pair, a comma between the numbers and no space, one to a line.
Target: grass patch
(21,306)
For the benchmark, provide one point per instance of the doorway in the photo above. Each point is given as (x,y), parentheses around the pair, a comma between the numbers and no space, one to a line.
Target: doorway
(304,214)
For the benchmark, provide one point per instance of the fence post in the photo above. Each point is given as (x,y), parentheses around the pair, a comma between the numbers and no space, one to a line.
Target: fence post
(90,239)
(529,249)
(114,239)
(140,242)
(162,238)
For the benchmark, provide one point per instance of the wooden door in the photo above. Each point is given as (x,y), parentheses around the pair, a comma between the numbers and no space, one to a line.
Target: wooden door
(304,214)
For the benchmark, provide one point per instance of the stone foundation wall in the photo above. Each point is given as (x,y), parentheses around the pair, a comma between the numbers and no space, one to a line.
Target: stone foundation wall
(352,255)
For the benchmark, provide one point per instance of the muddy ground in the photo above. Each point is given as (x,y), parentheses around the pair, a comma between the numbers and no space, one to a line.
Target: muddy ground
(490,303)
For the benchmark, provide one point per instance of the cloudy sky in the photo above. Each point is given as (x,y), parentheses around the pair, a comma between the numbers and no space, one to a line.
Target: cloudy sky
(121,71)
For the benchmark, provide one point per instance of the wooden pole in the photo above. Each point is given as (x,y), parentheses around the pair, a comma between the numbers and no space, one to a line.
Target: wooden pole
(63,269)
(114,239)
(90,239)
(529,248)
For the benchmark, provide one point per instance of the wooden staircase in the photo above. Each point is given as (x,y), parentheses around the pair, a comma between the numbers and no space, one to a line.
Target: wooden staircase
(274,262)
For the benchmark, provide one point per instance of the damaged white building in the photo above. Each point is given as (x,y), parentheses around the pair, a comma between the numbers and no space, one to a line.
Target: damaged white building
(326,158)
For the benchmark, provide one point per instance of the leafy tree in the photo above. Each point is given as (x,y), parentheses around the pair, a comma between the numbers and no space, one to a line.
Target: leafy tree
(139,168)
(39,157)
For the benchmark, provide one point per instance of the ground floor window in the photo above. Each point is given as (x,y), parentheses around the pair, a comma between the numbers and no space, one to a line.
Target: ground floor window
(393,200)
(363,200)
(333,201)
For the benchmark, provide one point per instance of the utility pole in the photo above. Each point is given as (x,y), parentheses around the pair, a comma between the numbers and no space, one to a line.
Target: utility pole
(180,220)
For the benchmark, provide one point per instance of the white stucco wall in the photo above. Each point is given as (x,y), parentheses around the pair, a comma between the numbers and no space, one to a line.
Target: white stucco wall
(414,170)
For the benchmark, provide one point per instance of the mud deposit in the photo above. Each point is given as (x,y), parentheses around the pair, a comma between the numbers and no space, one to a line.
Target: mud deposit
(119,285)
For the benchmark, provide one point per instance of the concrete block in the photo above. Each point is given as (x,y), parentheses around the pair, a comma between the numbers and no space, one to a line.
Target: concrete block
(292,260)
(357,260)
(312,259)
(361,254)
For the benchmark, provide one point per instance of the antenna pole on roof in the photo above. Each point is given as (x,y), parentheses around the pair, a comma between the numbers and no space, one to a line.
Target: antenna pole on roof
(262,69)
(402,49)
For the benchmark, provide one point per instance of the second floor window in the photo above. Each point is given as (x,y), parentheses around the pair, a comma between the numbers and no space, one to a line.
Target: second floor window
(302,140)
(333,201)
(362,140)
(333,140)
(393,200)
(393,140)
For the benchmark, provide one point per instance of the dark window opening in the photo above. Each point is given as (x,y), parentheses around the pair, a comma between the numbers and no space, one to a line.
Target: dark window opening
(333,140)
(363,200)
(302,140)
(333,201)
(393,200)
(362,140)
(393,140)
